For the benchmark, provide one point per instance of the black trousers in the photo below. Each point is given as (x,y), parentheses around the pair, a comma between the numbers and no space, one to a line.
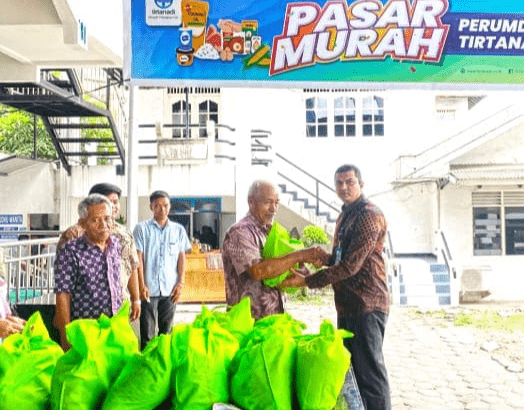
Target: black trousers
(159,311)
(367,358)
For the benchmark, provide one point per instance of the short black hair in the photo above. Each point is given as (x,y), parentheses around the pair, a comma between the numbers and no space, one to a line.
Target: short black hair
(158,194)
(105,188)
(348,168)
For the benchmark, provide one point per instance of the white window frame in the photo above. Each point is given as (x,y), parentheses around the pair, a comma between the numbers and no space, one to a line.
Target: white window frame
(197,96)
(340,120)
(493,228)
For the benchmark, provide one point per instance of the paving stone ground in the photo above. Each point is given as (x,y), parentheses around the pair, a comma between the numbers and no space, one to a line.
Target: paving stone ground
(430,367)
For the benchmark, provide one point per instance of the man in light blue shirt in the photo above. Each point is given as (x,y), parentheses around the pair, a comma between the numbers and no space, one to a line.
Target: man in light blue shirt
(161,245)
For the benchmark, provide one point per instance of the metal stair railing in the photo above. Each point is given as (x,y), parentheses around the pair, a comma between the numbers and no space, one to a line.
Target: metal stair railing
(318,185)
(467,138)
(70,87)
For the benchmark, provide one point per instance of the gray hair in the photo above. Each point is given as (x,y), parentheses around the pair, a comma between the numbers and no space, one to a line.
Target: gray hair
(93,199)
(256,186)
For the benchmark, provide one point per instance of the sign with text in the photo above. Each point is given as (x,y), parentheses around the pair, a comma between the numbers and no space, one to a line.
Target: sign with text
(274,42)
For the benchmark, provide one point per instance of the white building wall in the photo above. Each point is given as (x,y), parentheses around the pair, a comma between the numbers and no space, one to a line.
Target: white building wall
(30,190)
(501,275)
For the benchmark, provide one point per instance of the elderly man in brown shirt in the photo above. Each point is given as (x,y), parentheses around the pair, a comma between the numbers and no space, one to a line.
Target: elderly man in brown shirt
(244,267)
(357,273)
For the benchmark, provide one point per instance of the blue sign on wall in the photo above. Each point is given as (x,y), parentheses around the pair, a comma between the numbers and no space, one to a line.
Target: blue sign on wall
(11,219)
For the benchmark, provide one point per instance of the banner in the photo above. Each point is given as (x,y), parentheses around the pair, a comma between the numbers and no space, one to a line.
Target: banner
(279,43)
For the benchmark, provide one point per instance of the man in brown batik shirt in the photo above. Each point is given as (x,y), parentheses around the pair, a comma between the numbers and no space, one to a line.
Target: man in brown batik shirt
(357,273)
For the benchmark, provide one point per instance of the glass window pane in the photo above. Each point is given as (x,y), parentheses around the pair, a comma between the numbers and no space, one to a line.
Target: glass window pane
(310,103)
(176,107)
(367,103)
(367,130)
(322,116)
(379,130)
(366,117)
(213,106)
(351,130)
(350,103)
(379,102)
(339,130)
(487,231)
(202,119)
(202,106)
(350,118)
(322,130)
(322,103)
(310,116)
(339,102)
(339,118)
(311,131)
(514,217)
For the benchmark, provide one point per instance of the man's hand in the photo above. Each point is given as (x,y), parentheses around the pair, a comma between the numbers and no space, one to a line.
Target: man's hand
(177,292)
(11,325)
(316,256)
(144,293)
(136,308)
(296,280)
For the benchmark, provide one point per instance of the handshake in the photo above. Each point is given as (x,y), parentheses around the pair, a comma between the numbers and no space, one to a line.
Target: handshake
(314,255)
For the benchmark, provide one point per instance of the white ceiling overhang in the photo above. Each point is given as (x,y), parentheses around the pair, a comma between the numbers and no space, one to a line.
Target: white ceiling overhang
(12,164)
(45,34)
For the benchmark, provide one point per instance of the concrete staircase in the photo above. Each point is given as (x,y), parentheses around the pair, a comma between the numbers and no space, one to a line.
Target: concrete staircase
(421,281)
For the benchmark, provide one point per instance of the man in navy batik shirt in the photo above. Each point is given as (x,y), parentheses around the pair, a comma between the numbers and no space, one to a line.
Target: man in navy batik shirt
(87,269)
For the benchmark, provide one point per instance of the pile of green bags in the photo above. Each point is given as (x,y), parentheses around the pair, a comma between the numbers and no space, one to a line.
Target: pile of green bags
(222,357)
(99,350)
(27,364)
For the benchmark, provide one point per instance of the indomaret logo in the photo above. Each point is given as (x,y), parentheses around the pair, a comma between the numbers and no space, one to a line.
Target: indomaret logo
(366,30)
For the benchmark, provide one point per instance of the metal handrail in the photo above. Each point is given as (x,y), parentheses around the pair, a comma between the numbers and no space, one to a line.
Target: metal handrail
(28,268)
(446,253)
(318,184)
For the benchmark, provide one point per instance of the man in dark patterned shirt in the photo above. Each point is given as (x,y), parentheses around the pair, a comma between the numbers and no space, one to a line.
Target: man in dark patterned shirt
(357,272)
(244,268)
(87,269)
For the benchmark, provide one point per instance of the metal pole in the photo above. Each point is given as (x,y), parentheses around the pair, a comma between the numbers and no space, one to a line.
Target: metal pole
(35,134)
(318,196)
(187,111)
(132,164)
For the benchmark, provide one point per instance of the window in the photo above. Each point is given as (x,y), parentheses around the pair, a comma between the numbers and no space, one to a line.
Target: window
(316,117)
(343,113)
(498,223)
(178,113)
(207,110)
(373,117)
(345,117)
(203,105)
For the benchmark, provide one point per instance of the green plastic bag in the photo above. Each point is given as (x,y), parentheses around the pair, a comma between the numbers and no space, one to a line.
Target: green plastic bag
(201,354)
(100,349)
(282,323)
(237,320)
(27,363)
(262,373)
(279,243)
(318,389)
(145,381)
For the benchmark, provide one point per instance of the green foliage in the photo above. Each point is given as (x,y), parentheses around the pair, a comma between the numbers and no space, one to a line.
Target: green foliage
(16,134)
(92,133)
(313,234)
